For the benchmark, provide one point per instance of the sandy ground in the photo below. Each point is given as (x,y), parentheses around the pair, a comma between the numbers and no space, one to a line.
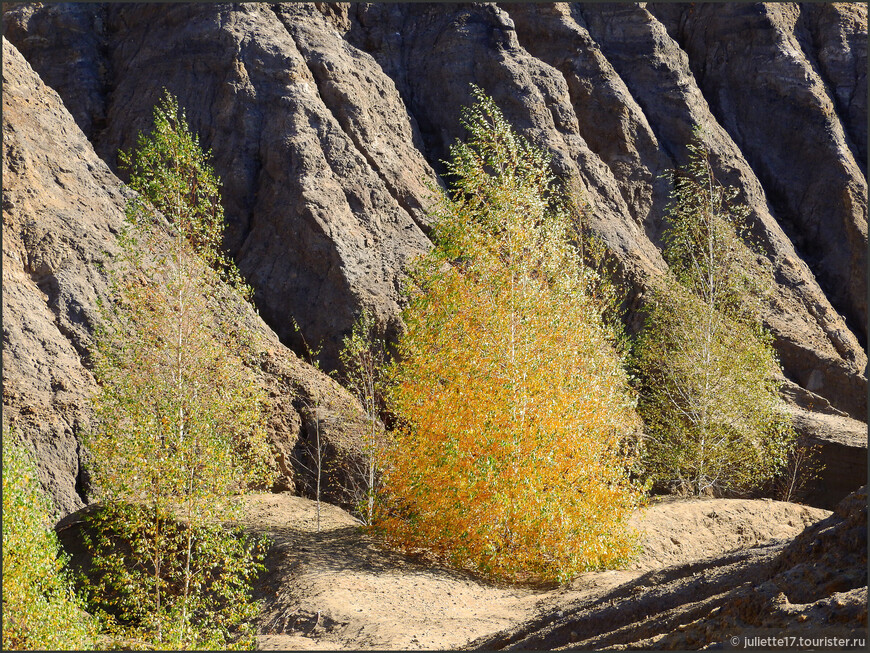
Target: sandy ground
(336,589)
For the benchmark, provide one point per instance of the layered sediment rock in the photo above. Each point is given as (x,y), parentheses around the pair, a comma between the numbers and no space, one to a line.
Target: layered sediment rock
(62,211)
(328,123)
(61,205)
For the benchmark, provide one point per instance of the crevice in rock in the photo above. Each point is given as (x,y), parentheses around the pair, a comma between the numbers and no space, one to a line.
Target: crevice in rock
(237,232)
(807,39)
(49,286)
(348,131)
(83,478)
(67,333)
(807,35)
(100,123)
(595,145)
(250,219)
(396,65)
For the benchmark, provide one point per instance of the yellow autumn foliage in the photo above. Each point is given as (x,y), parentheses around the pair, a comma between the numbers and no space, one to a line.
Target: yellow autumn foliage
(512,404)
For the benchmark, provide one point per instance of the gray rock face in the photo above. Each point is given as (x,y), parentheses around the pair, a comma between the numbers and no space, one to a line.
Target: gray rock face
(62,210)
(801,149)
(843,458)
(54,188)
(328,123)
(79,34)
(323,197)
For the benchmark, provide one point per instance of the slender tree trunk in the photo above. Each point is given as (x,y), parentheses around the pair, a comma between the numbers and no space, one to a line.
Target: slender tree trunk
(319,457)
(186,596)
(371,472)
(157,570)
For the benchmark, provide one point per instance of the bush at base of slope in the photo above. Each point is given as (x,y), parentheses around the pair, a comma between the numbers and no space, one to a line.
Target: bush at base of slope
(512,405)
(39,608)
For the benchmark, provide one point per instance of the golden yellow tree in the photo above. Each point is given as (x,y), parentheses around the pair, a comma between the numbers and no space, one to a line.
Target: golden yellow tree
(512,403)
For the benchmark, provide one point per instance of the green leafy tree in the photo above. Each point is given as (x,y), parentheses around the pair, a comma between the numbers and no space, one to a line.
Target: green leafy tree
(40,610)
(709,397)
(172,174)
(179,430)
(511,401)
(364,357)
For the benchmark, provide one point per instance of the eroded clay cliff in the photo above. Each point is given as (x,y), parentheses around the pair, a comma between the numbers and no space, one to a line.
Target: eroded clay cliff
(328,123)
(62,211)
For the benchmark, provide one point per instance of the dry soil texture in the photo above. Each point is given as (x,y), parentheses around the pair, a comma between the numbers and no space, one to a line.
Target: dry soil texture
(337,589)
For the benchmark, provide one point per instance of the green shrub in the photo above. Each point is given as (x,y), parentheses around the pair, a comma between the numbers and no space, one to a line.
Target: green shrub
(709,374)
(204,579)
(40,610)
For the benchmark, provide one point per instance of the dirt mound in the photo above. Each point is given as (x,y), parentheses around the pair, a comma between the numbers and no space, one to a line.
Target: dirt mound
(337,589)
(677,531)
(813,586)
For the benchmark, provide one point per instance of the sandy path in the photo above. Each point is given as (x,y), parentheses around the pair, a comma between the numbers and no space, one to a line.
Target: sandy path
(336,589)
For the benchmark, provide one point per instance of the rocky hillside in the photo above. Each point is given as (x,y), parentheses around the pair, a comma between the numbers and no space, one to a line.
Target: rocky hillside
(62,210)
(328,123)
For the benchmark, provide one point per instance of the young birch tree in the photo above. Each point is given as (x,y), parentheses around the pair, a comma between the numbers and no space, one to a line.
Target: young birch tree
(709,397)
(179,417)
(511,401)
(173,175)
(364,357)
